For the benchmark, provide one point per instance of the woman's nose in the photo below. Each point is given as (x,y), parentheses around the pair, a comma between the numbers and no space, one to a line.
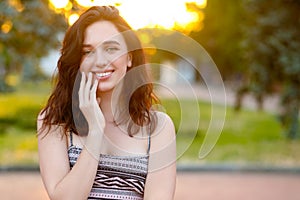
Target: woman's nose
(101,60)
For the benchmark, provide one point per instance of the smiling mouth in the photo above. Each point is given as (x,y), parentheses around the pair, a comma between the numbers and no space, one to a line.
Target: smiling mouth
(104,74)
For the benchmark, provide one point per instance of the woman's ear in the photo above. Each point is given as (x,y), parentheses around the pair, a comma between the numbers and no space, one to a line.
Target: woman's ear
(129,60)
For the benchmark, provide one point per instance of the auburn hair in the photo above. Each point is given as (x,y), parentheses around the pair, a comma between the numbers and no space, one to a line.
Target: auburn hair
(136,98)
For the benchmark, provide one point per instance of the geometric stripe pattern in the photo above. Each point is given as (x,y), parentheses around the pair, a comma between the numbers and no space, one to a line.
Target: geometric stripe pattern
(118,177)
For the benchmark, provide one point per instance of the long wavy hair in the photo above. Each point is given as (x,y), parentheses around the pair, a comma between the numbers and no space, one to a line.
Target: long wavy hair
(62,107)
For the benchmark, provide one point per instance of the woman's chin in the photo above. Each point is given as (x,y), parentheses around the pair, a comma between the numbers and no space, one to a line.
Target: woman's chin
(104,89)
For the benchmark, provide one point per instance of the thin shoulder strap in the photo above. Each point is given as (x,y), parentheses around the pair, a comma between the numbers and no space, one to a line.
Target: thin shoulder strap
(71,138)
(149,141)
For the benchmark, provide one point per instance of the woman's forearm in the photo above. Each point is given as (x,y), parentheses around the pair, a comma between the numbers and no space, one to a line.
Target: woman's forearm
(78,182)
(59,180)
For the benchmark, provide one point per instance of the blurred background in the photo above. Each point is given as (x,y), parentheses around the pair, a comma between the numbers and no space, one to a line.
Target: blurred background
(254,44)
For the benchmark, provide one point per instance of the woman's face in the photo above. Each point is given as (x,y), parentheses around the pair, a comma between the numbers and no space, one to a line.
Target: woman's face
(105,55)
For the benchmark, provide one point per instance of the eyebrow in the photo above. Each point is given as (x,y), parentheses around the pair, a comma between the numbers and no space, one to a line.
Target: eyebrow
(111,42)
(107,42)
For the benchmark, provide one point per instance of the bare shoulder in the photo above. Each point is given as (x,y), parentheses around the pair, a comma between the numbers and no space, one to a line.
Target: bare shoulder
(163,143)
(40,118)
(164,123)
(55,131)
(164,133)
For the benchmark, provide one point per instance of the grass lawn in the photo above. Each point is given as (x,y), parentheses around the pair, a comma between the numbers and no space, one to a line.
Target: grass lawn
(248,137)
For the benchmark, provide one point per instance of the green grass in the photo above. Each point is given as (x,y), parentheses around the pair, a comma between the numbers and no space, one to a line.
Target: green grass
(18,147)
(248,137)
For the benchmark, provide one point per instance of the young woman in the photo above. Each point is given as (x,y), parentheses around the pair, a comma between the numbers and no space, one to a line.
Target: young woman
(98,136)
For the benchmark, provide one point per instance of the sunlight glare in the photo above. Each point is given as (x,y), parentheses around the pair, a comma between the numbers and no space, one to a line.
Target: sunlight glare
(17,4)
(199,3)
(144,13)
(6,26)
(88,3)
(59,3)
(72,18)
(158,13)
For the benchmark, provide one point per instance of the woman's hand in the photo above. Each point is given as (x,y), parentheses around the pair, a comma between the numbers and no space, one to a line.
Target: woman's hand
(89,104)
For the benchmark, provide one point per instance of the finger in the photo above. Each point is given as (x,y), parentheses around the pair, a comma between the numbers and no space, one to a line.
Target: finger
(94,90)
(98,100)
(81,88)
(88,86)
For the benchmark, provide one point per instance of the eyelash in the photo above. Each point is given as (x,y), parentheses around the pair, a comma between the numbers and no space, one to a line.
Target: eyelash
(113,49)
(86,52)
(108,49)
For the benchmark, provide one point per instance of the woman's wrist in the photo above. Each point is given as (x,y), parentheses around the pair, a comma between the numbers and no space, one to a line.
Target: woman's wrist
(94,153)
(93,142)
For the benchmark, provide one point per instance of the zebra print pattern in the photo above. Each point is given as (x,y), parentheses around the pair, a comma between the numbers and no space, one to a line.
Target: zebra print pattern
(118,177)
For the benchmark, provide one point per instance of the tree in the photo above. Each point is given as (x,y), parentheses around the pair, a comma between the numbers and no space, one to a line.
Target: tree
(257,42)
(272,44)
(28,30)
(222,36)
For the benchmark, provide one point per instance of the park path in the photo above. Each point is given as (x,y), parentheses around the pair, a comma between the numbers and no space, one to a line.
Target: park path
(190,186)
(217,95)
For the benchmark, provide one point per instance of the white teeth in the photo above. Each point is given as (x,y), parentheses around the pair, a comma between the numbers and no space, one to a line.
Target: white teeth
(103,74)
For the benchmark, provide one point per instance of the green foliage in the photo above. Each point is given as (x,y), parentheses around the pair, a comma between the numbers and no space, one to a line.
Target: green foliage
(272,42)
(19,110)
(222,36)
(255,45)
(18,113)
(29,29)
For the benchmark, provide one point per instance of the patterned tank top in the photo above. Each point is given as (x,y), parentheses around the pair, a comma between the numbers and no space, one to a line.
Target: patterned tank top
(118,177)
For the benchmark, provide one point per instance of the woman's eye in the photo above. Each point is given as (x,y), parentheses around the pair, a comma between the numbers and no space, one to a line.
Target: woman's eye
(111,49)
(87,52)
